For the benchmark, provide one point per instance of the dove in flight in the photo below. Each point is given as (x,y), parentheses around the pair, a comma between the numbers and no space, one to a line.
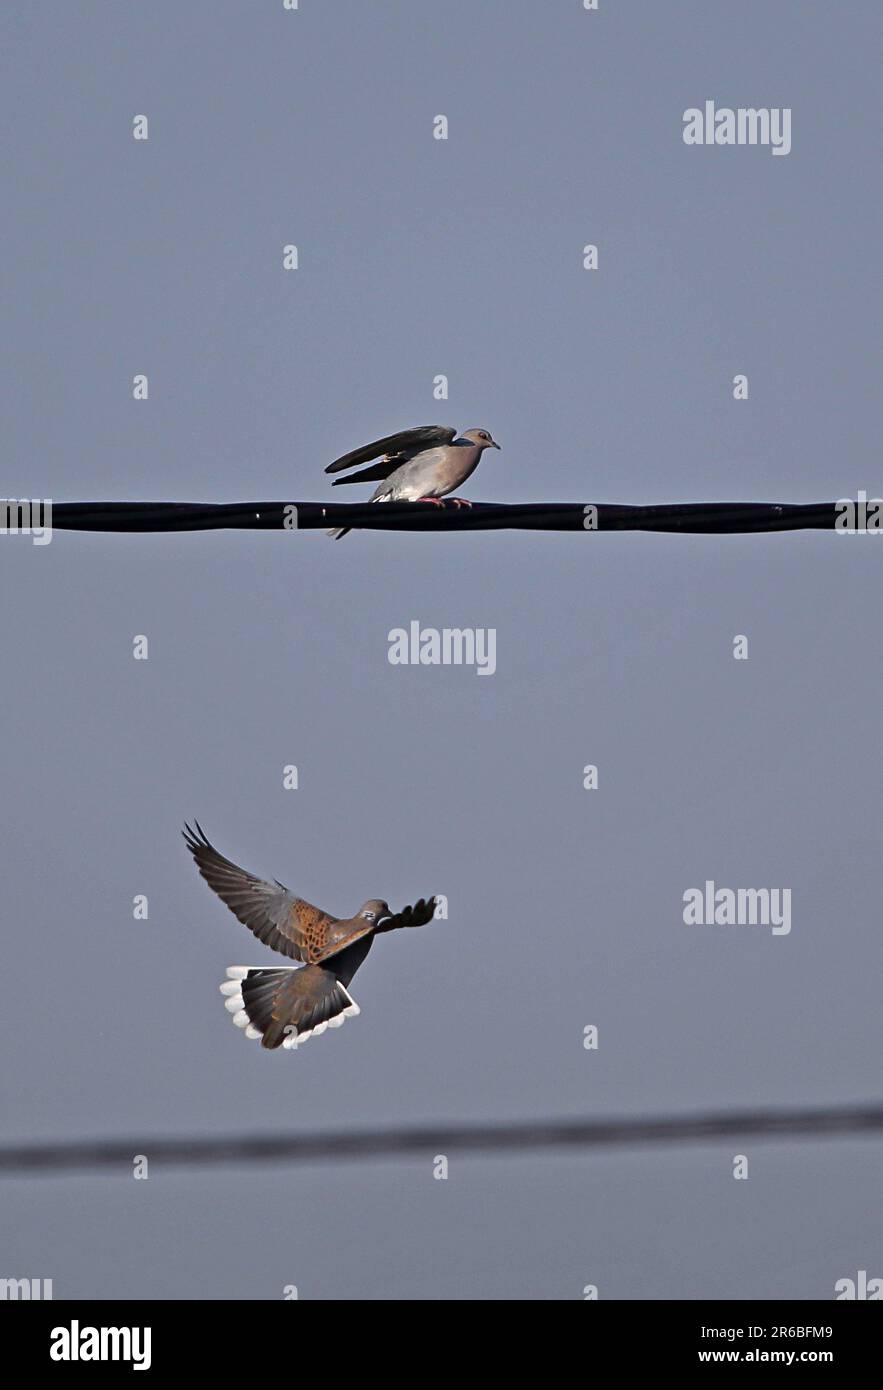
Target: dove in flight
(282,1005)
(419,465)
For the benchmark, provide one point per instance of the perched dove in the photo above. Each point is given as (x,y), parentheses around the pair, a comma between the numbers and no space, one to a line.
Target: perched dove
(282,1005)
(419,465)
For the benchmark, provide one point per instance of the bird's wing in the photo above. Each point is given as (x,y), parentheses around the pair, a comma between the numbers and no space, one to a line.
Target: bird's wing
(422,912)
(281,920)
(394,448)
(375,471)
(334,948)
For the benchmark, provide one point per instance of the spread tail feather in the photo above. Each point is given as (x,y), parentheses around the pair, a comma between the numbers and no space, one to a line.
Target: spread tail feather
(283,1006)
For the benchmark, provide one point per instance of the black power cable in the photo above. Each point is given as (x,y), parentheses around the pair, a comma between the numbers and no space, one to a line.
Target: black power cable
(709,518)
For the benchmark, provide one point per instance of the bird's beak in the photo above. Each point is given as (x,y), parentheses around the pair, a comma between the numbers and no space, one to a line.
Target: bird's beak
(385,917)
(494,444)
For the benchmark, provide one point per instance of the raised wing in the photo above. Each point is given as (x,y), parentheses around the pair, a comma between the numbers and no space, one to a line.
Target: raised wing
(281,920)
(422,912)
(375,472)
(394,449)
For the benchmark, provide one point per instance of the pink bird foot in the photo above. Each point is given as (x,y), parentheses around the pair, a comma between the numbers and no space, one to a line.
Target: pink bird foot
(436,501)
(461,502)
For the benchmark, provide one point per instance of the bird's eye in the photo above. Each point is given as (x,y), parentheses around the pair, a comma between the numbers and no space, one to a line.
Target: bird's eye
(370,916)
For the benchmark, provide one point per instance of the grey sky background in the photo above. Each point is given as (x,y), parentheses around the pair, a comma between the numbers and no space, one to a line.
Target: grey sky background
(420,257)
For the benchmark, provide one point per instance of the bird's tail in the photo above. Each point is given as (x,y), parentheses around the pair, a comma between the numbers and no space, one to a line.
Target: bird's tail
(284,1006)
(379,496)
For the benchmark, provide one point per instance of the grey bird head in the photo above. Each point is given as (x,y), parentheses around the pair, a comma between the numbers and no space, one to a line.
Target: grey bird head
(480,437)
(373,910)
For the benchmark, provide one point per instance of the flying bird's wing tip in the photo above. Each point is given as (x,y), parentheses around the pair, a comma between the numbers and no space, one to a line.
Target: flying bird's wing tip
(417,914)
(195,838)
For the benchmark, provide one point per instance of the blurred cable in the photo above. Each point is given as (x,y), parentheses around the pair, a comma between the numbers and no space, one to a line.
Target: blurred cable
(427,1141)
